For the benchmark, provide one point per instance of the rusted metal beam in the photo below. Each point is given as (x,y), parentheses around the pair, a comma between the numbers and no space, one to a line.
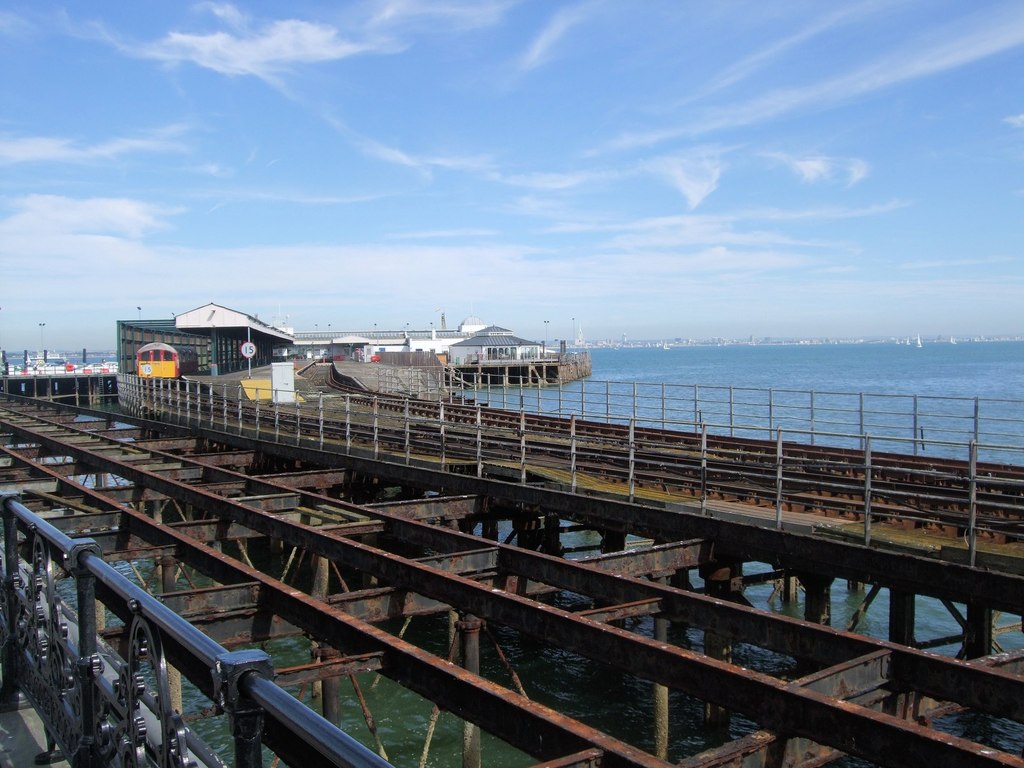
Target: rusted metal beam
(328,668)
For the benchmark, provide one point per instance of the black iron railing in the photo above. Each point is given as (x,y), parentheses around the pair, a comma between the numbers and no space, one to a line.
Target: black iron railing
(102,707)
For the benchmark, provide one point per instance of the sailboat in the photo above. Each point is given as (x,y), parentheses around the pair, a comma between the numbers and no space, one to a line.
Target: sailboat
(919,340)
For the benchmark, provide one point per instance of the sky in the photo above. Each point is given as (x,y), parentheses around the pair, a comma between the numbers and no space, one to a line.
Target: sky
(656,169)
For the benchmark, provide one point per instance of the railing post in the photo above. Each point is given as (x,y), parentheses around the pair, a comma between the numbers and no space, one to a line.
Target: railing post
(376,429)
(703,469)
(572,452)
(771,411)
(972,531)
(862,418)
(298,421)
(239,393)
(245,716)
(732,413)
(408,434)
(90,664)
(663,416)
(778,479)
(320,417)
(977,420)
(867,490)
(696,408)
(479,443)
(632,450)
(257,413)
(913,435)
(522,447)
(11,698)
(812,417)
(348,423)
(441,430)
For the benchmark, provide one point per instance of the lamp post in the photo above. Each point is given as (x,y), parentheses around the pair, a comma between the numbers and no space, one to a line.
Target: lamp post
(572,341)
(140,312)
(546,336)
(42,346)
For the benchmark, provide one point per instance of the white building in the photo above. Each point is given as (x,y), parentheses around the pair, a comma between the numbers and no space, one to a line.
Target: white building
(470,342)
(493,344)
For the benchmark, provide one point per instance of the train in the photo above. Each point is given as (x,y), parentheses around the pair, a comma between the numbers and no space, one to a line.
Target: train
(163,361)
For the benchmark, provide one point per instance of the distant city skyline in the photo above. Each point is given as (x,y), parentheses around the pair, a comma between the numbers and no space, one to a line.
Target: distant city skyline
(701,170)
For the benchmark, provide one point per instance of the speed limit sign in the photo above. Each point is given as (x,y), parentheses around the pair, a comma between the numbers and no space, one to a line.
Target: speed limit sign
(248,350)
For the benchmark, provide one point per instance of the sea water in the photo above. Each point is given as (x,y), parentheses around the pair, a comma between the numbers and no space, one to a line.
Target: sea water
(622,705)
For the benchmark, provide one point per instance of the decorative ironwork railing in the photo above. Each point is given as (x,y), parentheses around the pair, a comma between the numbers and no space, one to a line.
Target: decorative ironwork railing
(104,708)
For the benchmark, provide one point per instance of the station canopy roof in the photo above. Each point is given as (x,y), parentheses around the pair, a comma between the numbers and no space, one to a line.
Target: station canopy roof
(211,316)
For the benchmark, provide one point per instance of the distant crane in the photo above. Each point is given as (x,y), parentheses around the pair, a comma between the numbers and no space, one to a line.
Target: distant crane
(444,325)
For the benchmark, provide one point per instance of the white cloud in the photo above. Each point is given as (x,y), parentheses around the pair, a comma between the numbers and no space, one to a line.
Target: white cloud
(33,149)
(551,181)
(443,234)
(265,52)
(815,168)
(754,62)
(448,14)
(540,49)
(12,25)
(957,44)
(1017,121)
(695,176)
(51,214)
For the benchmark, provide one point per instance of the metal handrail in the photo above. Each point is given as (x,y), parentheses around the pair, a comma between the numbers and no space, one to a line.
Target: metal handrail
(123,705)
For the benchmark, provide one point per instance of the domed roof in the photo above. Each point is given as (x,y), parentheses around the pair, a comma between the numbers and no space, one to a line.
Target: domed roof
(471,324)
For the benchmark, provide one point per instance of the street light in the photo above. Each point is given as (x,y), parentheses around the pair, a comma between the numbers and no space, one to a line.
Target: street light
(140,312)
(42,346)
(546,336)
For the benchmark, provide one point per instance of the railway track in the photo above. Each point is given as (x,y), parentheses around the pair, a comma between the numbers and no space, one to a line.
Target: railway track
(903,489)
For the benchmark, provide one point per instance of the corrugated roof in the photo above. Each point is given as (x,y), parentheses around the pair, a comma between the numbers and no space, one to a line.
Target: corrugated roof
(494,340)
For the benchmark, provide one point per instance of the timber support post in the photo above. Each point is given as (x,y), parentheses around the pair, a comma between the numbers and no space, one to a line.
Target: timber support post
(469,634)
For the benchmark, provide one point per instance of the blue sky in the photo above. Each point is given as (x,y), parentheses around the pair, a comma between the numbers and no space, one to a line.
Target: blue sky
(657,169)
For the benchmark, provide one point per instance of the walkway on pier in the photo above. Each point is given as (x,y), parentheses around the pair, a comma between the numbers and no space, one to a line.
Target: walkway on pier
(22,738)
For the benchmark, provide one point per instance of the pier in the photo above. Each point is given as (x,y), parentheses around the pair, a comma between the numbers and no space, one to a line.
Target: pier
(338,520)
(85,389)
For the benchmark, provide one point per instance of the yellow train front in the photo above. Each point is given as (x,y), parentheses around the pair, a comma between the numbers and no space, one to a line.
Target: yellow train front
(162,361)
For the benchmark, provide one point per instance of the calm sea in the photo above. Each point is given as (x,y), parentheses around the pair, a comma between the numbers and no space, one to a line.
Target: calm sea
(966,369)
(622,705)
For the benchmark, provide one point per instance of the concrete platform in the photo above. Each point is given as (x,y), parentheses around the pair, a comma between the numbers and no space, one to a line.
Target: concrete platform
(22,738)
